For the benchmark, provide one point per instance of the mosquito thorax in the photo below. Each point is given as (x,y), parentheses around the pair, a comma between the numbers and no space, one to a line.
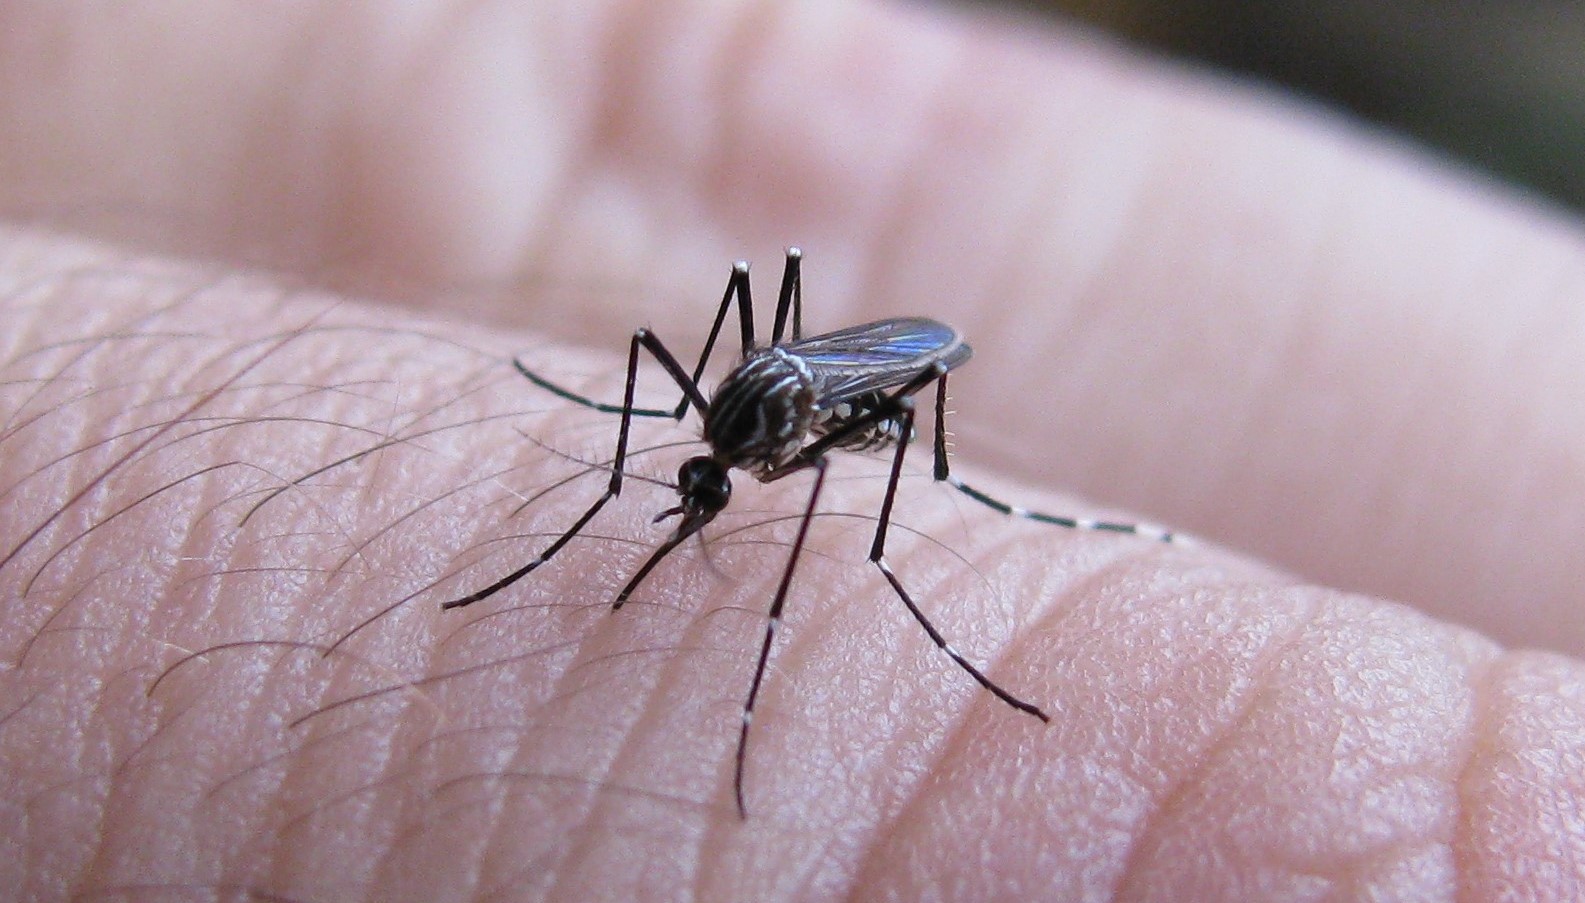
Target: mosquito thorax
(761,413)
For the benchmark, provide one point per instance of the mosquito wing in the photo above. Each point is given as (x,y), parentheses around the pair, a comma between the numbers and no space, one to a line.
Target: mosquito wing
(877,356)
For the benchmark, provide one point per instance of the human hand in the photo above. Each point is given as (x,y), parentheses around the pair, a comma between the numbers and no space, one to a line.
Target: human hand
(1190,299)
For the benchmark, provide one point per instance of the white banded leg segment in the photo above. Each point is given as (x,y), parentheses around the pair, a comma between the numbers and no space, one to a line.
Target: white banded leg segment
(1146,531)
(772,624)
(941,642)
(645,340)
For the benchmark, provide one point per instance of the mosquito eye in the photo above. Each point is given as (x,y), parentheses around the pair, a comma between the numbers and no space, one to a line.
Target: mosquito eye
(692,472)
(714,495)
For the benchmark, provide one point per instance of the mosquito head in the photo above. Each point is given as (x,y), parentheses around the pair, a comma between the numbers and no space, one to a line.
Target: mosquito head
(704,486)
(705,489)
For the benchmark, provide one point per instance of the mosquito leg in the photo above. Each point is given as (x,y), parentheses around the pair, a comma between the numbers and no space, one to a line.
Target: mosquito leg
(655,558)
(737,287)
(943,474)
(878,557)
(585,400)
(538,560)
(689,527)
(647,340)
(771,625)
(657,349)
(791,296)
(941,431)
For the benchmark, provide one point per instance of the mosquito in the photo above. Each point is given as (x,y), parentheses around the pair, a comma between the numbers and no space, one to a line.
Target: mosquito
(779,412)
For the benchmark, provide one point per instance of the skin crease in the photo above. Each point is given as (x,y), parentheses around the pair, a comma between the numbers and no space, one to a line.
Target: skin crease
(1263,326)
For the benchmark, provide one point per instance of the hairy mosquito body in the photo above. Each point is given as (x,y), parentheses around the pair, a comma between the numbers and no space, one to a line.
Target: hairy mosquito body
(777,413)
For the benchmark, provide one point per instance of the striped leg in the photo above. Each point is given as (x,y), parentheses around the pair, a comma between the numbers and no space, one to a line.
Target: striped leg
(898,404)
(771,625)
(648,341)
(878,556)
(943,474)
(737,289)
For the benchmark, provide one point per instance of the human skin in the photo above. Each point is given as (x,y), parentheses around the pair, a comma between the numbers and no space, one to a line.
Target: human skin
(1299,344)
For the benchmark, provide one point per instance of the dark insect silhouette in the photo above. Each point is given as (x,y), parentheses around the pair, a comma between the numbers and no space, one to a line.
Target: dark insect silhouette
(779,412)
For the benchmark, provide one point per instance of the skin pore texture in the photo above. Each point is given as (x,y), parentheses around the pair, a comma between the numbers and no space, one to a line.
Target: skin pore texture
(261,281)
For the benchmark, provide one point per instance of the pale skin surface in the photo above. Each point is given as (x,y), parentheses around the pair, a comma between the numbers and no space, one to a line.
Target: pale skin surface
(1255,324)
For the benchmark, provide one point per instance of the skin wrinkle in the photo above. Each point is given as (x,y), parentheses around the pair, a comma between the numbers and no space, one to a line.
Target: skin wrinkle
(869,585)
(300,805)
(451,815)
(572,671)
(603,783)
(100,787)
(395,741)
(535,653)
(13,428)
(253,787)
(300,818)
(44,469)
(48,628)
(358,548)
(87,777)
(298,482)
(417,767)
(957,738)
(675,672)
(351,794)
(1141,830)
(87,346)
(51,287)
(1363,852)
(27,587)
(101,697)
(902,204)
(615,102)
(1306,624)
(1480,673)
(579,848)
(1268,656)
(793,648)
(489,853)
(1237,717)
(132,453)
(387,440)
(957,735)
(1487,831)
(1484,718)
(797,644)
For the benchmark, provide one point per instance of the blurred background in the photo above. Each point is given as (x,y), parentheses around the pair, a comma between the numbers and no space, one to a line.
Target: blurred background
(1500,85)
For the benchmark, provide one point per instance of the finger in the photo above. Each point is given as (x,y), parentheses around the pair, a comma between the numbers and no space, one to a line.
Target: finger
(1225,312)
(204,668)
